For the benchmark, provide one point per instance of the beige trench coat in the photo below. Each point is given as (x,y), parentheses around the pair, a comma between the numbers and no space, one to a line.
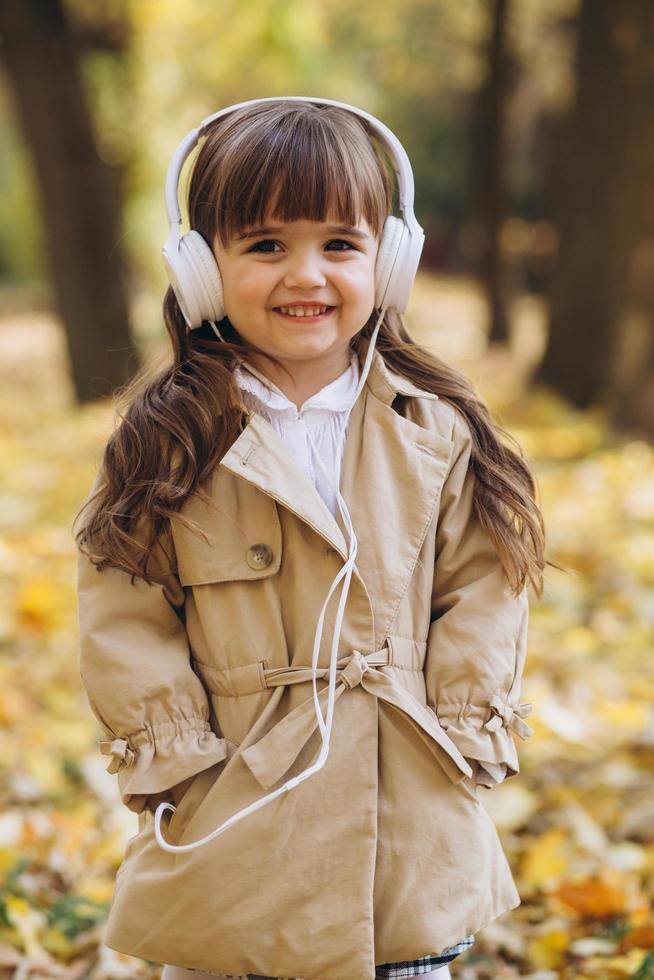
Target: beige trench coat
(387,853)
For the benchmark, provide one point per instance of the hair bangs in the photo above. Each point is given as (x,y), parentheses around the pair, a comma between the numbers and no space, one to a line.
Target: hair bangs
(306,166)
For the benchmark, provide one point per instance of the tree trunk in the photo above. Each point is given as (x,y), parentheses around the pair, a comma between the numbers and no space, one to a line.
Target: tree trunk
(633,381)
(487,200)
(81,195)
(596,199)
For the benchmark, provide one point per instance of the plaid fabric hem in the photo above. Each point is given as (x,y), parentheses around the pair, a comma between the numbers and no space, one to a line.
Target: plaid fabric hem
(424,964)
(392,971)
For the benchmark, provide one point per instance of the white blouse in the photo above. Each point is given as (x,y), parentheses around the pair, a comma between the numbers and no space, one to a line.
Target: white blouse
(325,414)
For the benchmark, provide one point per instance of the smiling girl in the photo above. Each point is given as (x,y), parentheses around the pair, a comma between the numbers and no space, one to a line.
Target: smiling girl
(216,533)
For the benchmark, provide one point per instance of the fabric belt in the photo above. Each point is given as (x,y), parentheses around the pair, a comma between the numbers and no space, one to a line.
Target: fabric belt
(274,753)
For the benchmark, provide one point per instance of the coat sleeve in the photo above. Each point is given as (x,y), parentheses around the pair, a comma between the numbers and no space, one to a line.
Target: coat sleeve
(477,639)
(136,670)
(491,773)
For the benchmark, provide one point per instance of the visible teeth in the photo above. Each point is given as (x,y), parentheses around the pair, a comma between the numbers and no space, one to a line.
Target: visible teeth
(303,310)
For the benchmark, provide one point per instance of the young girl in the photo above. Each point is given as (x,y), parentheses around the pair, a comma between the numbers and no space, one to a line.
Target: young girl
(301,440)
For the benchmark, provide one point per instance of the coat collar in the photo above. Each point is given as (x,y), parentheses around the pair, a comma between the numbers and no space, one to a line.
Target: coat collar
(393,469)
(386,384)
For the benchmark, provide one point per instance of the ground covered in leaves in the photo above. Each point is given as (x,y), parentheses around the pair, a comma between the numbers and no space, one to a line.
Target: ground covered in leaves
(577,824)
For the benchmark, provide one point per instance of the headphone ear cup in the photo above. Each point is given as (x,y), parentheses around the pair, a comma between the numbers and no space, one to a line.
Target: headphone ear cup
(205,292)
(387,255)
(194,275)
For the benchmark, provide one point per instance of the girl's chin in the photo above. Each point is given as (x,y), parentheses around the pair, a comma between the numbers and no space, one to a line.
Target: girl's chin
(301,346)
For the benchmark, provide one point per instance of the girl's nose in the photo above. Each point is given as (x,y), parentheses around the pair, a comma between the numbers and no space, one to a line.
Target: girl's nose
(304,272)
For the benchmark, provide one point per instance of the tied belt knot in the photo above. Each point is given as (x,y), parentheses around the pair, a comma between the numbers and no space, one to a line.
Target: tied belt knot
(352,673)
(274,753)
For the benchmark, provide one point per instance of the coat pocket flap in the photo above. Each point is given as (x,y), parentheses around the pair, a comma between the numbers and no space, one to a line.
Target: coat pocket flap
(232,564)
(243,539)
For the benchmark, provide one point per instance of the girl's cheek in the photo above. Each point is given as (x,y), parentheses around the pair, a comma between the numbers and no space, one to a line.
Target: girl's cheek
(248,287)
(360,276)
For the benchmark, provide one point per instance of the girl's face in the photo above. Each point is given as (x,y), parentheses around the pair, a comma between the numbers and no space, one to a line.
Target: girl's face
(312,263)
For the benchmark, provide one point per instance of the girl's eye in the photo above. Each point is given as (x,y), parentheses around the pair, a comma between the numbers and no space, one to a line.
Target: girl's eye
(342,241)
(269,241)
(257,247)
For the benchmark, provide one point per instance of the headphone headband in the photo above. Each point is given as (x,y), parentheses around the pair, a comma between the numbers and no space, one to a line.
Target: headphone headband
(387,138)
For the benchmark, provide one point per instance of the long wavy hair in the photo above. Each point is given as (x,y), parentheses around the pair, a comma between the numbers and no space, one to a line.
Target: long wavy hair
(177,417)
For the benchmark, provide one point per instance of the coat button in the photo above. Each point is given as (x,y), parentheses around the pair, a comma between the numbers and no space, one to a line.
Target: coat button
(259,556)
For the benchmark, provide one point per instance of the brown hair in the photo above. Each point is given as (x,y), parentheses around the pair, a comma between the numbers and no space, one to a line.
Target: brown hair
(178,419)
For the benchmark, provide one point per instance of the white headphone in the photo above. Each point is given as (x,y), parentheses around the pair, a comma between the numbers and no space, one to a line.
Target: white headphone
(191,265)
(194,276)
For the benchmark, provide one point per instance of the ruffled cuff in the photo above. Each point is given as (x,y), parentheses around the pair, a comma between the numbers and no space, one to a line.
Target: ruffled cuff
(481,733)
(489,774)
(158,757)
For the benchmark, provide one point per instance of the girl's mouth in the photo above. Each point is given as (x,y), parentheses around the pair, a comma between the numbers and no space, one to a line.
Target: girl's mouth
(300,316)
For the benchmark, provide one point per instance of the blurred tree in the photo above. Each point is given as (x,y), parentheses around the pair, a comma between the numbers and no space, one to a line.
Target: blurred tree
(634,379)
(80,193)
(598,197)
(486,176)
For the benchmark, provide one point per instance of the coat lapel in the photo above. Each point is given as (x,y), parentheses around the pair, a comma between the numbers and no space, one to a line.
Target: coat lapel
(260,456)
(392,475)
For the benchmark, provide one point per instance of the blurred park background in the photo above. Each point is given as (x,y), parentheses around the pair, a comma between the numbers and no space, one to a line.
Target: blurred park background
(530,126)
